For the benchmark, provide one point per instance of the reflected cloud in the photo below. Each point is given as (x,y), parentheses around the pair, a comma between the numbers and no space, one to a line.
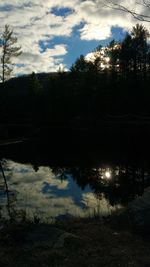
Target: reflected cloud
(100,206)
(56,192)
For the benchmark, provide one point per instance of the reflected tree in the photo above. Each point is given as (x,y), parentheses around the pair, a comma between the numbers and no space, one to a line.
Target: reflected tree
(6,189)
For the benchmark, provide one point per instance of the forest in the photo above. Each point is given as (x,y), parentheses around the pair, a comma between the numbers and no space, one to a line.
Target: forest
(111,88)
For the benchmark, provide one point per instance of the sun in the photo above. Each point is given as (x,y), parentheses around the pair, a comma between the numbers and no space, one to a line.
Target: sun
(107,174)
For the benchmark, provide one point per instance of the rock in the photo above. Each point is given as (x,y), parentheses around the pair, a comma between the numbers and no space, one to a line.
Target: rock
(46,236)
(62,238)
(139,213)
(115,252)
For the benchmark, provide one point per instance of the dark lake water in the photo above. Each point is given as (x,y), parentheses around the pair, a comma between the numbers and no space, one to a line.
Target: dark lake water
(48,191)
(48,182)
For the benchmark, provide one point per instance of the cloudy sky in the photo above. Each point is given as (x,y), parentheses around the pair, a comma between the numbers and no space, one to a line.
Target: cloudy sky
(54,33)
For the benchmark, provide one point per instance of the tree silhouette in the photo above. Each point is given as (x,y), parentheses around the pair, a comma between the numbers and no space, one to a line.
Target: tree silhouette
(139,42)
(8,50)
(130,54)
(82,65)
(35,85)
(113,51)
(126,54)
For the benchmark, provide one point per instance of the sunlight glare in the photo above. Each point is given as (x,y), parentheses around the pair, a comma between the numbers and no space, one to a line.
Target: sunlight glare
(107,59)
(107,174)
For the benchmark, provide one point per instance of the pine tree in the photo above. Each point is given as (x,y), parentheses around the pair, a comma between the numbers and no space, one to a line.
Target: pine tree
(8,50)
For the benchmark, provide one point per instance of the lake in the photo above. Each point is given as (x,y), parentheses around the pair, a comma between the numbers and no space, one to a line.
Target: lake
(40,188)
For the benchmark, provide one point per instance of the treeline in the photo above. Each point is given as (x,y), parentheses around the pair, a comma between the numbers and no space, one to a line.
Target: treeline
(116,82)
(131,56)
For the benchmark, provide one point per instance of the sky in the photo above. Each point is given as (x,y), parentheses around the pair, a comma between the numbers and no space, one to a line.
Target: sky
(53,33)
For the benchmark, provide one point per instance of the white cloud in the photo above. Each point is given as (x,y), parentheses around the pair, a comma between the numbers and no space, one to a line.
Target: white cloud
(97,32)
(58,50)
(33,21)
(47,61)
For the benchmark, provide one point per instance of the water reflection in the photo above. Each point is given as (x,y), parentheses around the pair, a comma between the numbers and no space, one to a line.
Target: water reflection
(54,192)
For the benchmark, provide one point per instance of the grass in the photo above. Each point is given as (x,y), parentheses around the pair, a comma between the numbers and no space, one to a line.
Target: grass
(98,243)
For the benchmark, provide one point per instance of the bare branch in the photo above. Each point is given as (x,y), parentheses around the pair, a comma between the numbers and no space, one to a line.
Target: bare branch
(146,3)
(136,15)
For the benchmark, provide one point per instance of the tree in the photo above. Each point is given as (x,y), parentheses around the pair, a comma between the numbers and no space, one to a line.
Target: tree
(145,4)
(82,65)
(113,52)
(35,85)
(8,50)
(139,36)
(126,55)
(134,50)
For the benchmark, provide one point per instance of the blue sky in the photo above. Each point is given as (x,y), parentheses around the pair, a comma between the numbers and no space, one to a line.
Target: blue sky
(53,33)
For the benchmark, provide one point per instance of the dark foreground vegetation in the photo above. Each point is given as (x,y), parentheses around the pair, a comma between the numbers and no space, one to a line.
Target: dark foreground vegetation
(89,243)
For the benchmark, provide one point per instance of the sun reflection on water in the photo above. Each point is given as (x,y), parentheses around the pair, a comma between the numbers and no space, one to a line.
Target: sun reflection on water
(43,192)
